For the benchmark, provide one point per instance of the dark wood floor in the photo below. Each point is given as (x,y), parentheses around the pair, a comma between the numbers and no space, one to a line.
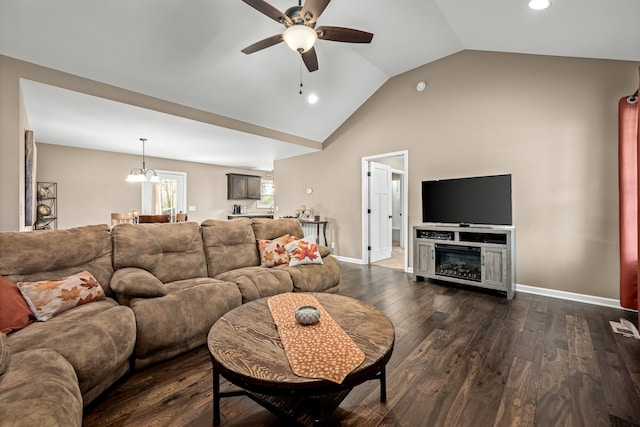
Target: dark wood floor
(462,358)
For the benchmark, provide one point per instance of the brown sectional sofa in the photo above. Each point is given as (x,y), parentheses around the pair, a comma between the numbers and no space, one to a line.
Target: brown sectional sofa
(171,282)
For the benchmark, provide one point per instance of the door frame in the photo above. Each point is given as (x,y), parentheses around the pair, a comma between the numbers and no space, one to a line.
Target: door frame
(365,204)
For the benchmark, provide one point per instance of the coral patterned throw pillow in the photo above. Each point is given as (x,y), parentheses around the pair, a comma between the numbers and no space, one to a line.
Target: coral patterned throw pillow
(303,251)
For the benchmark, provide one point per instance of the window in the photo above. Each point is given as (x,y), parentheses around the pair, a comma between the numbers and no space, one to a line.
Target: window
(267,194)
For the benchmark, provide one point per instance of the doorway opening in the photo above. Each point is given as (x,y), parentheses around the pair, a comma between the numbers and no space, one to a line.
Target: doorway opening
(167,197)
(385,206)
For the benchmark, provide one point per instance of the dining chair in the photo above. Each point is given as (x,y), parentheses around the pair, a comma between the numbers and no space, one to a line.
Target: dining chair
(121,218)
(181,217)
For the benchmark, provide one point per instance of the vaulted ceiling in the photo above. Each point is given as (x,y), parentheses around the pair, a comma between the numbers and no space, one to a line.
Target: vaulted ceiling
(189,53)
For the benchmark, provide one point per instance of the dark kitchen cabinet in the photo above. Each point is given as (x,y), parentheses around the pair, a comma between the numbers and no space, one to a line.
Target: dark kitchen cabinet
(243,187)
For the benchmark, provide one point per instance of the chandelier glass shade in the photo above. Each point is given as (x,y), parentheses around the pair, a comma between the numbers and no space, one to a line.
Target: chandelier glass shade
(299,37)
(140,175)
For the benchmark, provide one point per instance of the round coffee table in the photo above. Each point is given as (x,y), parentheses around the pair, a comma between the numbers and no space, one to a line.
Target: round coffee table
(245,349)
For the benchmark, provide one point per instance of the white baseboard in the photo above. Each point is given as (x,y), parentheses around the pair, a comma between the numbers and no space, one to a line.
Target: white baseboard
(526,289)
(571,296)
(349,260)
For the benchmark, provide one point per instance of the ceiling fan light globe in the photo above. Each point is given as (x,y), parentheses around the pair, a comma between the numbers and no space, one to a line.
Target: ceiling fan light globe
(300,38)
(539,4)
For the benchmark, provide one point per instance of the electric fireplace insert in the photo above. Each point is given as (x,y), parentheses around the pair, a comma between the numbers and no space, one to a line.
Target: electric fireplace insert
(462,262)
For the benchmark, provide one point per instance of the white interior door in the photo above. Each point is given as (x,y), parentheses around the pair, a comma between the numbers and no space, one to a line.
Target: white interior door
(380,205)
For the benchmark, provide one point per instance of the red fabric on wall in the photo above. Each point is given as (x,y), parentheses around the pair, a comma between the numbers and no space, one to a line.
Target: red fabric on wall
(628,188)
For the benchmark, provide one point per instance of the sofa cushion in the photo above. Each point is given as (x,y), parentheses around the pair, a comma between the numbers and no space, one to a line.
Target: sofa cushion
(181,319)
(47,298)
(171,251)
(95,338)
(273,252)
(257,282)
(51,254)
(315,277)
(269,229)
(14,311)
(40,388)
(229,245)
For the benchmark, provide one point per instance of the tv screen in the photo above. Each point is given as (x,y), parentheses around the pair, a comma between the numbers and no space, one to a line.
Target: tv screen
(476,200)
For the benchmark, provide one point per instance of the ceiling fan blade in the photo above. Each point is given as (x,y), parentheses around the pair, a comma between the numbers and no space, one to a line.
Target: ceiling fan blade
(314,9)
(263,44)
(273,13)
(310,59)
(347,35)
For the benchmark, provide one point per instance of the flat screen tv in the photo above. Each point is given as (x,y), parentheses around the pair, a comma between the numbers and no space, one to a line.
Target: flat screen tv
(478,200)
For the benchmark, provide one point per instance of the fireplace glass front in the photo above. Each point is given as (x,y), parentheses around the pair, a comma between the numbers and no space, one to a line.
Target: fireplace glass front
(462,262)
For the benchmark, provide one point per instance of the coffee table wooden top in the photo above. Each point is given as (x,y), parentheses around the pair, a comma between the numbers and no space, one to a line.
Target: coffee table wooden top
(245,346)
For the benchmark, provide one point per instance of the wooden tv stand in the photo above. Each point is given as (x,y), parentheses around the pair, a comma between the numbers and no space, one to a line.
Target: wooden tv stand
(482,256)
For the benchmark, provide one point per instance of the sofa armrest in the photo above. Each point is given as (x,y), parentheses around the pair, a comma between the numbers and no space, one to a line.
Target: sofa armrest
(324,251)
(136,282)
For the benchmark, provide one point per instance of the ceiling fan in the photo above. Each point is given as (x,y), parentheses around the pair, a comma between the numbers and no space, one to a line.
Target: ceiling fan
(301,32)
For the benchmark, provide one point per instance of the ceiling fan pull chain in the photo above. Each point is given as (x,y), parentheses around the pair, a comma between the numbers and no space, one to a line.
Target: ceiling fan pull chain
(300,75)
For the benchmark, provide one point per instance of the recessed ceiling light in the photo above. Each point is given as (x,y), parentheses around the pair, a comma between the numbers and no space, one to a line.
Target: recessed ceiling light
(539,4)
(312,99)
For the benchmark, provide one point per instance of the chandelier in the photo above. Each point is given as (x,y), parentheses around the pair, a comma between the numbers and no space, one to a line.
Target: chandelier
(140,175)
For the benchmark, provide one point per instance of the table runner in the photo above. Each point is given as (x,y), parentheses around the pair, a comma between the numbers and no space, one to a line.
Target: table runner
(322,350)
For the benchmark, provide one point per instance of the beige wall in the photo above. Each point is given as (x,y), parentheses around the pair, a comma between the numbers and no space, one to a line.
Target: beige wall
(13,122)
(549,121)
(91,184)
(11,148)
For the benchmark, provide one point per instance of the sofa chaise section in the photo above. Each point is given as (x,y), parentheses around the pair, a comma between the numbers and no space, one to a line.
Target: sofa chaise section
(231,249)
(161,273)
(38,388)
(323,277)
(96,338)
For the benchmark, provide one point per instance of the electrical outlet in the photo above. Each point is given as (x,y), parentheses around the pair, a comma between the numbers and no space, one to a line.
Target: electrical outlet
(192,208)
